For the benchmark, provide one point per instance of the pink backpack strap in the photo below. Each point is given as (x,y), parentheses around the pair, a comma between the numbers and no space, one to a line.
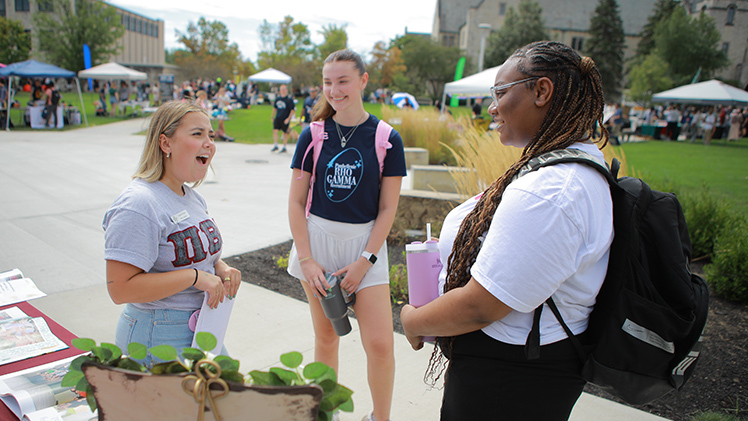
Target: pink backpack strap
(319,135)
(382,143)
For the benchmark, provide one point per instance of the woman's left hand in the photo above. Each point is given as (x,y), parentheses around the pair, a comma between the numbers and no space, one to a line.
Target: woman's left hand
(231,278)
(354,273)
(416,342)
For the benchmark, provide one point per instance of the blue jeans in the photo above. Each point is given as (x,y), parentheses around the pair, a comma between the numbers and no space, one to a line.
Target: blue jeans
(153,327)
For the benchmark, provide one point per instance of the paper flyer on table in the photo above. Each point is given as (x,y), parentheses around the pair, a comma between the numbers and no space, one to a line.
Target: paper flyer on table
(25,337)
(215,321)
(14,288)
(33,389)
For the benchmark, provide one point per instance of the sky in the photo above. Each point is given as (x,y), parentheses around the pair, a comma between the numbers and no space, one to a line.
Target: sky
(366,23)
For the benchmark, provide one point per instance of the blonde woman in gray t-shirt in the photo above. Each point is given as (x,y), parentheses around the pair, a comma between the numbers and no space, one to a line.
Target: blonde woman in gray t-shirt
(163,250)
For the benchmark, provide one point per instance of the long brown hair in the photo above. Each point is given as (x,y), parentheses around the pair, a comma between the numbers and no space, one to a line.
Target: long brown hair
(575,110)
(322,109)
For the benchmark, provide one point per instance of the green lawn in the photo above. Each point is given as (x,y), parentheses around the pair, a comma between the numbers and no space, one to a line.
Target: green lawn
(721,167)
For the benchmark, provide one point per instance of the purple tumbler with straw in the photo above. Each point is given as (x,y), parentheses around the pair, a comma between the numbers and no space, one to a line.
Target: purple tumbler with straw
(424,266)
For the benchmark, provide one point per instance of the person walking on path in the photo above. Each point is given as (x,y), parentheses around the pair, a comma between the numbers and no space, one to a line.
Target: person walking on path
(284,110)
(343,232)
(507,250)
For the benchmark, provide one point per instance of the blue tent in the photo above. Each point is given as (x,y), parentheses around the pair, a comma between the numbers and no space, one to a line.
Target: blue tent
(33,68)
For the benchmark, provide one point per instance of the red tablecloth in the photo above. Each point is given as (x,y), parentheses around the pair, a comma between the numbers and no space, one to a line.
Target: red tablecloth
(59,331)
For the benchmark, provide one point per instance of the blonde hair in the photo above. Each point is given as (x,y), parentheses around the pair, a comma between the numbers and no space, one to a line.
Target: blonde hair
(165,121)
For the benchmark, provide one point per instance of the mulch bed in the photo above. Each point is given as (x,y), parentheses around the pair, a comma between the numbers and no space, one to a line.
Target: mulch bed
(719,383)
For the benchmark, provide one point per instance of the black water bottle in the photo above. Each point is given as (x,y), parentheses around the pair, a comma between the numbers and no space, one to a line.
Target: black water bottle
(335,306)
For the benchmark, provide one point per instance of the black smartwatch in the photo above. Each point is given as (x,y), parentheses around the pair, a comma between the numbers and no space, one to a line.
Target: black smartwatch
(372,258)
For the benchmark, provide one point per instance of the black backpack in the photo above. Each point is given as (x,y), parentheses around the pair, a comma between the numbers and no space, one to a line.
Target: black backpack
(644,333)
(55,97)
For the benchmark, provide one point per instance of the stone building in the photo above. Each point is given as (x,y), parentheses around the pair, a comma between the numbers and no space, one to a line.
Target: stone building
(459,23)
(731,19)
(142,45)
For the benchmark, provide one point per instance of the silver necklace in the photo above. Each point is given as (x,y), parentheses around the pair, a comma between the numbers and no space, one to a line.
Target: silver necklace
(344,139)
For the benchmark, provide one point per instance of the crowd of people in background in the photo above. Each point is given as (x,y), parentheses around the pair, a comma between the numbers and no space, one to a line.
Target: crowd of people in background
(698,122)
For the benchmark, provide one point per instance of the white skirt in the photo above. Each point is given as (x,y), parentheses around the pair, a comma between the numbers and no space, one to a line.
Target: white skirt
(335,245)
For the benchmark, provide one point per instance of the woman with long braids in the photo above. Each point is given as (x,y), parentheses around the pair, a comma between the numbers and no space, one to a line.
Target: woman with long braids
(520,242)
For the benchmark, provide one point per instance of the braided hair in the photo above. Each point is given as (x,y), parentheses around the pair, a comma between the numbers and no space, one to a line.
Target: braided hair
(576,107)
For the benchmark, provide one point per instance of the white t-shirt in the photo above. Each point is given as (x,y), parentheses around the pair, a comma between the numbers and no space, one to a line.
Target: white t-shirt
(550,235)
(152,228)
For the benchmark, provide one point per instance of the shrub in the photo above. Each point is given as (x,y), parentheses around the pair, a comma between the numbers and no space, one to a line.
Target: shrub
(727,275)
(399,283)
(426,129)
(713,416)
(706,217)
(282,261)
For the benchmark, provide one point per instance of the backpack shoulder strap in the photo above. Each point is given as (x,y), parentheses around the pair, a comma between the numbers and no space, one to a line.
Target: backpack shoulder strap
(382,143)
(317,129)
(569,155)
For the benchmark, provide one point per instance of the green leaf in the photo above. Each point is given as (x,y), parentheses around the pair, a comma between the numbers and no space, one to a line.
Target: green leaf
(339,396)
(328,386)
(164,352)
(84,344)
(346,406)
(83,385)
(169,367)
(288,377)
(324,416)
(292,359)
(326,405)
(265,379)
(227,364)
(319,371)
(206,341)
(137,351)
(71,378)
(103,354)
(130,364)
(233,377)
(116,352)
(192,354)
(75,365)
(91,400)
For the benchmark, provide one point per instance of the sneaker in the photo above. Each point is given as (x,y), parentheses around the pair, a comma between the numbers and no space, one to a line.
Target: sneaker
(369,417)
(283,150)
(275,148)
(336,416)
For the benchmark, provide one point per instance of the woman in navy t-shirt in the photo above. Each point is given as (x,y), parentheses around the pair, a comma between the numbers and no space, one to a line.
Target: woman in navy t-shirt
(352,209)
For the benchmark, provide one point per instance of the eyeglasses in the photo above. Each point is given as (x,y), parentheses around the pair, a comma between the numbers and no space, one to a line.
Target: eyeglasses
(496,95)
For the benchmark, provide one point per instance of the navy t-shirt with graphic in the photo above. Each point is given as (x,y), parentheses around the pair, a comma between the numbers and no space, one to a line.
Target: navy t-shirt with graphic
(283,106)
(347,184)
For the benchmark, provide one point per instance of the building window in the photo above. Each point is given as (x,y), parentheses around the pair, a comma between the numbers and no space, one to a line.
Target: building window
(502,9)
(2,8)
(730,15)
(22,6)
(155,30)
(725,47)
(45,5)
(577,43)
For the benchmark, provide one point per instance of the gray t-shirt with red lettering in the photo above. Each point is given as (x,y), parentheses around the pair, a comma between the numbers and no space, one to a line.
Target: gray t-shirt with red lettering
(152,228)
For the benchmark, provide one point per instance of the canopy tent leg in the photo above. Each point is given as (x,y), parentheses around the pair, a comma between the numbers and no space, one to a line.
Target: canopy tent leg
(80,97)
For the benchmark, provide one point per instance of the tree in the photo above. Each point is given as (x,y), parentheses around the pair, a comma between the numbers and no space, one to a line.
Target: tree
(335,39)
(662,10)
(519,29)
(208,52)
(15,42)
(688,44)
(287,47)
(605,46)
(649,77)
(386,68)
(62,35)
(429,64)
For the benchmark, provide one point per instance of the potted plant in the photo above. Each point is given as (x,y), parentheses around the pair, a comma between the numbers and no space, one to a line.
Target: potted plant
(200,383)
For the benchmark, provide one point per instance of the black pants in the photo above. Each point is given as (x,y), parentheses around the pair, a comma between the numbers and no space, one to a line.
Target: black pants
(51,112)
(490,380)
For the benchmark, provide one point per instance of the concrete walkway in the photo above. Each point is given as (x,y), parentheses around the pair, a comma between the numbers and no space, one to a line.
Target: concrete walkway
(55,188)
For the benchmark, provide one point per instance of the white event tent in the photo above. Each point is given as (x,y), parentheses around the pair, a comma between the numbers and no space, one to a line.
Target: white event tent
(473,86)
(709,92)
(272,76)
(112,71)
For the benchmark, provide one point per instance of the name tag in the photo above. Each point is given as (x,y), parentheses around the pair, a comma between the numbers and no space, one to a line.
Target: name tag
(181,216)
